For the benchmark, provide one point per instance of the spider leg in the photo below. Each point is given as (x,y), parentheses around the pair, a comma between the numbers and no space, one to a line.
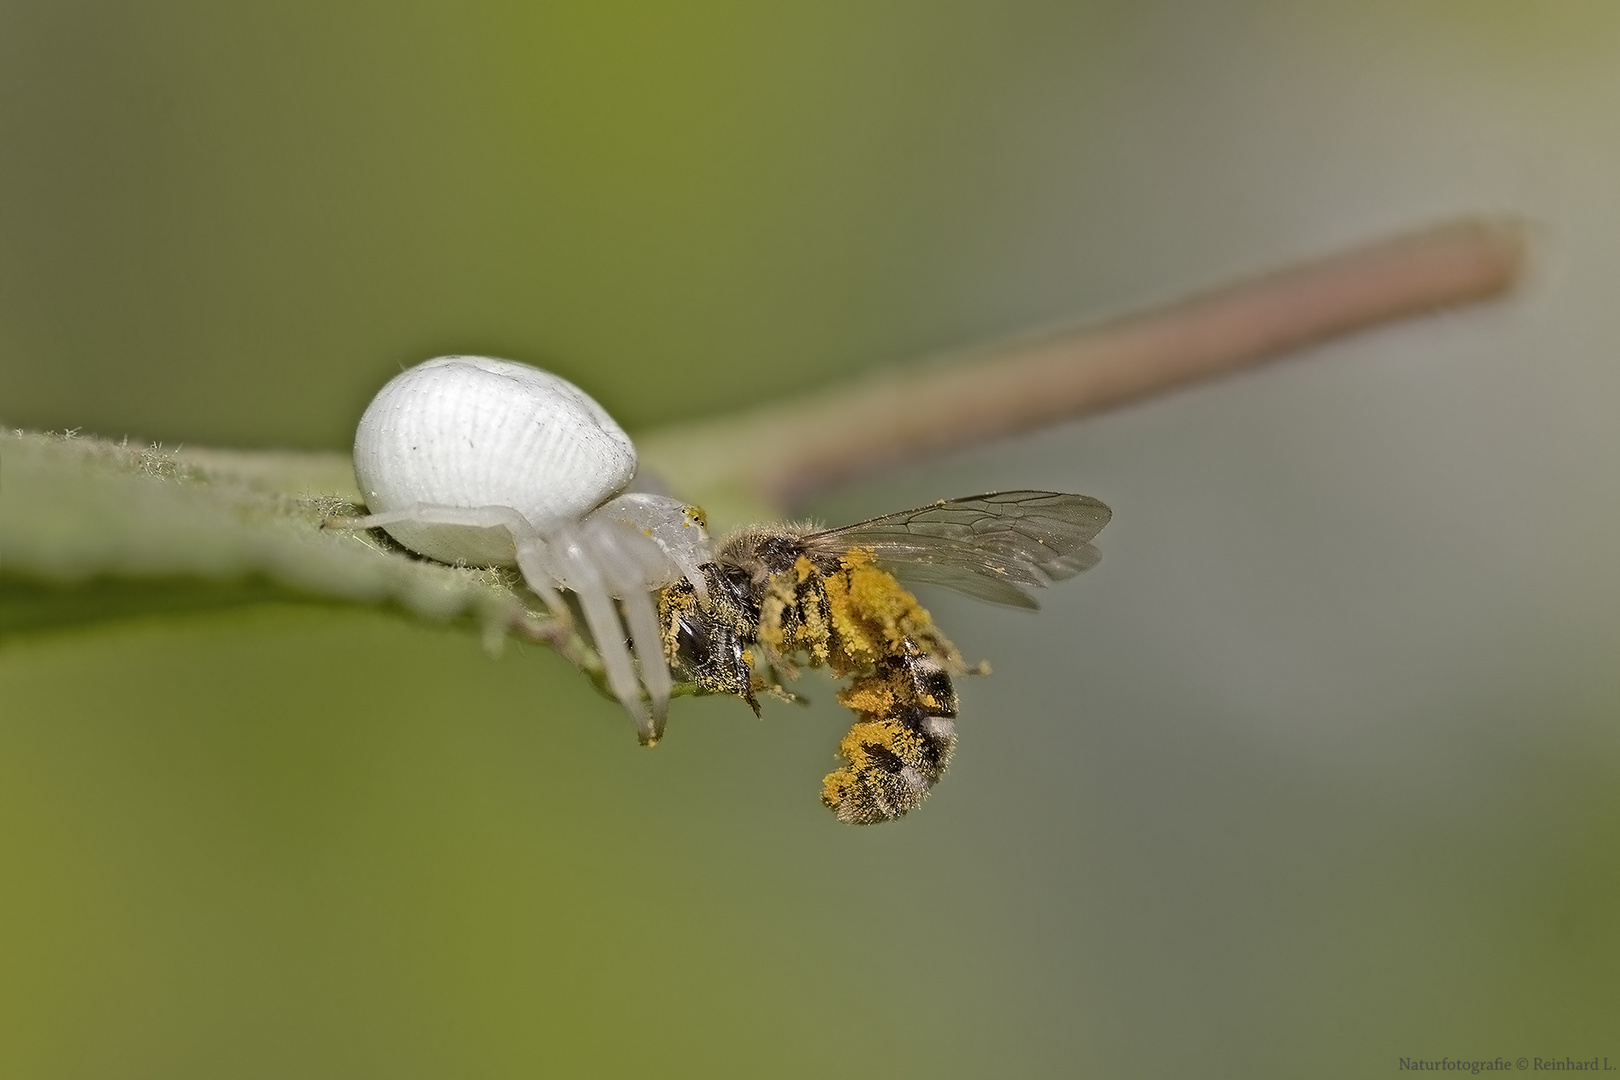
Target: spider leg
(477,517)
(531,560)
(648,637)
(633,564)
(675,529)
(590,585)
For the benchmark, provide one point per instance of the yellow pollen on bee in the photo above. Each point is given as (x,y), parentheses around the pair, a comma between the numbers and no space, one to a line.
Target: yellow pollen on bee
(675,605)
(885,734)
(870,696)
(778,597)
(872,614)
(835,786)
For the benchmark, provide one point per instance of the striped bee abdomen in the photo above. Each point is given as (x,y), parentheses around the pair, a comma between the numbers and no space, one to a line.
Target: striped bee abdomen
(901,744)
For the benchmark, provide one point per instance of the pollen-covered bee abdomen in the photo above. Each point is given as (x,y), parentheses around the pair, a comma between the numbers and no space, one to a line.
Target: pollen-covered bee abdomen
(930,683)
(901,745)
(894,762)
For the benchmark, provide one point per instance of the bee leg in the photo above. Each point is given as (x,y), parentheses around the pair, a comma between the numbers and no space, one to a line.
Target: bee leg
(742,674)
(778,691)
(731,671)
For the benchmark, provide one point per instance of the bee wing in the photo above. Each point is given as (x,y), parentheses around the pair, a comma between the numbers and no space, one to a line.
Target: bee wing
(990,590)
(985,545)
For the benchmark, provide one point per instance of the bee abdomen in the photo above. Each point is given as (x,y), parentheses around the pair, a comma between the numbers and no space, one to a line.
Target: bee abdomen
(927,681)
(902,744)
(894,762)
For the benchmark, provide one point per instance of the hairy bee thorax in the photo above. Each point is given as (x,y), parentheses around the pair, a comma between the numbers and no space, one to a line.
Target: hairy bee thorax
(844,613)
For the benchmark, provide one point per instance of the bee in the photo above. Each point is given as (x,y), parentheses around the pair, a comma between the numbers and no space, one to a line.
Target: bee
(798,596)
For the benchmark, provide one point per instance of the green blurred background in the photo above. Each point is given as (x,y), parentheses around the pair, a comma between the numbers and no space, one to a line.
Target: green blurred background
(1319,769)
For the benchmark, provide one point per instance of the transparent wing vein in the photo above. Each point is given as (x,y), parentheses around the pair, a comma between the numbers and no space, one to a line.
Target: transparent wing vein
(983,545)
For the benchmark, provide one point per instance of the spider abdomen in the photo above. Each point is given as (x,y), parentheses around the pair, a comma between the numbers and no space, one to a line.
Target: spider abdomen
(471,431)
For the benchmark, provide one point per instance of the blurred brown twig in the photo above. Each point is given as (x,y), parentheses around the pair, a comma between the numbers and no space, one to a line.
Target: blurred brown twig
(778,454)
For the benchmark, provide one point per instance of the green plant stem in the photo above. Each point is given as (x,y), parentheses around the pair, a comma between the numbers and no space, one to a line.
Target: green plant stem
(164,532)
(782,453)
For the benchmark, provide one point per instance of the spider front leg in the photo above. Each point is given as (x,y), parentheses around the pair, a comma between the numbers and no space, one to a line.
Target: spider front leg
(639,554)
(581,572)
(648,638)
(631,563)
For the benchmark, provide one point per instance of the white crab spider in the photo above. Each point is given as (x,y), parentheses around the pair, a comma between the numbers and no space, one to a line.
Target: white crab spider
(468,459)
